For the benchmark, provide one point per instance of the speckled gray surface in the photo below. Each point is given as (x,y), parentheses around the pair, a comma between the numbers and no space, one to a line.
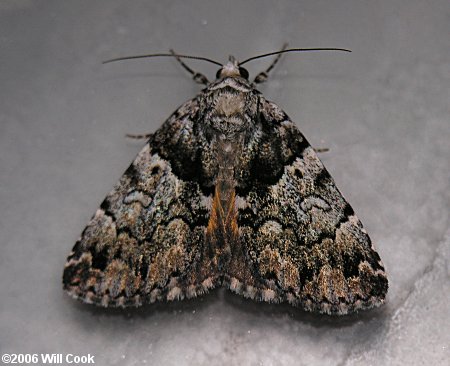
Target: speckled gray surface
(383,111)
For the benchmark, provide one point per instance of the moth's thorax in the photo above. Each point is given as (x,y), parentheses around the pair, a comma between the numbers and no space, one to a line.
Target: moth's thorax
(229,106)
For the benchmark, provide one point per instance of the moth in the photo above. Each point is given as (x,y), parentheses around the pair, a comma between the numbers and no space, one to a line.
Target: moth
(227,192)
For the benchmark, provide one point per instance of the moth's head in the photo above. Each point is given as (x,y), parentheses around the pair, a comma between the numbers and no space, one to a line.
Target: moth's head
(232,69)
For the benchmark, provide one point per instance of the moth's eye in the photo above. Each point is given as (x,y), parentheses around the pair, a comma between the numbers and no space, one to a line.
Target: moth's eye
(218,73)
(243,72)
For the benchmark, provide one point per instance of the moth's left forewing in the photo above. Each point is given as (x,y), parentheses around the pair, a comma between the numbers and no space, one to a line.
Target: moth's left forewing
(299,236)
(146,240)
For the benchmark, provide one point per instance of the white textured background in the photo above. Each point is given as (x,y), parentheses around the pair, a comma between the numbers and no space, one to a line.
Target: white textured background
(384,111)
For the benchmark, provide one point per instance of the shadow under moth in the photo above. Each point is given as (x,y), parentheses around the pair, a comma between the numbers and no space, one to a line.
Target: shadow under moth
(227,192)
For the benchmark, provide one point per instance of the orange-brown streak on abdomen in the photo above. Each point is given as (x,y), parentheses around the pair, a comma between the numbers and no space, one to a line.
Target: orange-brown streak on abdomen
(222,225)
(231,220)
(215,222)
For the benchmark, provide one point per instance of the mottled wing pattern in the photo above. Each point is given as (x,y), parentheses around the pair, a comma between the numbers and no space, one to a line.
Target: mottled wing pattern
(300,241)
(145,242)
(227,191)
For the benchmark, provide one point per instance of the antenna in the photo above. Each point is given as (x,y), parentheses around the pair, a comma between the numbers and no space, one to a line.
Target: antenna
(293,50)
(161,55)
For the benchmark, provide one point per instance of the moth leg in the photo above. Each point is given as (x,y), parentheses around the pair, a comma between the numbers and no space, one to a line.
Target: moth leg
(198,78)
(263,75)
(321,149)
(144,136)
